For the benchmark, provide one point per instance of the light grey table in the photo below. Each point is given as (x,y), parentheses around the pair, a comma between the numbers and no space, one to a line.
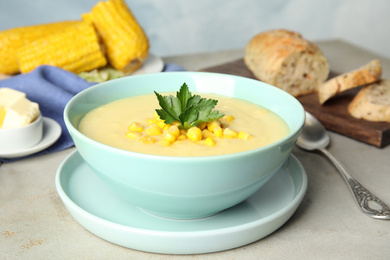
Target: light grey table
(34,223)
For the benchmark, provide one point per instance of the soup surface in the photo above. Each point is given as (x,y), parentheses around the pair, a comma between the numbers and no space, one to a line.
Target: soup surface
(109,124)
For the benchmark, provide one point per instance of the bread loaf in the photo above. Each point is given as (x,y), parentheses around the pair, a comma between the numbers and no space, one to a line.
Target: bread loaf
(284,59)
(372,103)
(364,75)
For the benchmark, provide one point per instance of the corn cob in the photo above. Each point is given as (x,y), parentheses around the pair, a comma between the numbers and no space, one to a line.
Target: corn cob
(75,49)
(12,39)
(126,43)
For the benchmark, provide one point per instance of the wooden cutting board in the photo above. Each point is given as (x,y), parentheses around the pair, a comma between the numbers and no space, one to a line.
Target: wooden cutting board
(333,114)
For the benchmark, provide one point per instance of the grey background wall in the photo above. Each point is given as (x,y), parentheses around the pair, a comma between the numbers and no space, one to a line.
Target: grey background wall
(177,26)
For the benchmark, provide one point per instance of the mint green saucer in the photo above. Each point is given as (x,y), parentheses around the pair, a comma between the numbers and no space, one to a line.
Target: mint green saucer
(111,218)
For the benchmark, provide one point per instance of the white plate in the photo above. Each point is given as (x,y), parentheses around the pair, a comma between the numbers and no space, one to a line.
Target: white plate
(51,133)
(111,218)
(152,64)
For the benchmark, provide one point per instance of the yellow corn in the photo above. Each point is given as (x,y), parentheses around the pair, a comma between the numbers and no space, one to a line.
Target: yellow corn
(164,142)
(137,127)
(226,121)
(206,133)
(76,48)
(166,127)
(11,40)
(156,115)
(218,132)
(244,135)
(228,118)
(202,125)
(211,125)
(210,141)
(147,139)
(126,42)
(153,130)
(174,130)
(177,123)
(133,135)
(181,137)
(170,137)
(151,121)
(194,134)
(160,123)
(229,133)
(170,133)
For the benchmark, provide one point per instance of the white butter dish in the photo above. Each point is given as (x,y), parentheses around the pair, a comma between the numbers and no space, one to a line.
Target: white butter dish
(21,137)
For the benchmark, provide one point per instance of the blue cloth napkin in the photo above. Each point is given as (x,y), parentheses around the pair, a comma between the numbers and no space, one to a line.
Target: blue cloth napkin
(52,88)
(173,67)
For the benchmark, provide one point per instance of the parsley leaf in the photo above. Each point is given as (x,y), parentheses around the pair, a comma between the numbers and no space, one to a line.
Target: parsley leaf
(190,110)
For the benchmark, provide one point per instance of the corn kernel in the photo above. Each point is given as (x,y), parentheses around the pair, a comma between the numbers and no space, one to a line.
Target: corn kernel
(174,130)
(153,130)
(133,135)
(177,123)
(136,127)
(244,135)
(164,142)
(151,121)
(202,125)
(229,133)
(218,132)
(147,139)
(206,133)
(194,134)
(210,141)
(170,137)
(160,123)
(183,132)
(228,118)
(182,137)
(166,127)
(156,115)
(211,125)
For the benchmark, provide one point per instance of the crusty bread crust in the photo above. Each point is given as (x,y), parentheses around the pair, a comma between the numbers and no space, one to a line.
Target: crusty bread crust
(372,103)
(284,59)
(364,75)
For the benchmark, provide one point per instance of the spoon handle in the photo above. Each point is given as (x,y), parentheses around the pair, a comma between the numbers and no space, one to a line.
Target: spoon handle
(367,202)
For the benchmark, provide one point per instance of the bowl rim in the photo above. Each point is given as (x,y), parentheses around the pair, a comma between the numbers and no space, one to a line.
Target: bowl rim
(264,148)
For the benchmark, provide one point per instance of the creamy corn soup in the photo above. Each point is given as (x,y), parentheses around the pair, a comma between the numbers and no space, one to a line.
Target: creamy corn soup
(109,124)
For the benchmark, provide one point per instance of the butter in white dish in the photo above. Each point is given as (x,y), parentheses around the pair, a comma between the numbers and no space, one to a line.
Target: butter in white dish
(15,109)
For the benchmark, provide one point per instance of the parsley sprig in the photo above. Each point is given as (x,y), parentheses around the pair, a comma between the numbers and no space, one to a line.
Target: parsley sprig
(190,110)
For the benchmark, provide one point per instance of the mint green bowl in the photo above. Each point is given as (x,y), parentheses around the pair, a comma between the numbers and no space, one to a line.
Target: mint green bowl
(185,187)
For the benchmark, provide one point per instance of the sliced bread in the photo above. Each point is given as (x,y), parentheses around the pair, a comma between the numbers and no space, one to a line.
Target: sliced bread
(372,103)
(364,75)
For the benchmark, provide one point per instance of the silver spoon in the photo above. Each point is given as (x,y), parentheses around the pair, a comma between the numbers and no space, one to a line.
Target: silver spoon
(315,138)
